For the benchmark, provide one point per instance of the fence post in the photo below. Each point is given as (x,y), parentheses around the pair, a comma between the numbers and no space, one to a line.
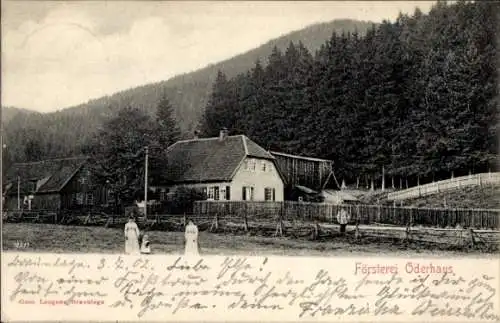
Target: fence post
(358,217)
(279,227)
(246,222)
(408,231)
(315,231)
(472,240)
(215,223)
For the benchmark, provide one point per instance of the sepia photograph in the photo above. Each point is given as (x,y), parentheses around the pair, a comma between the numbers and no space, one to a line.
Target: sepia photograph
(169,132)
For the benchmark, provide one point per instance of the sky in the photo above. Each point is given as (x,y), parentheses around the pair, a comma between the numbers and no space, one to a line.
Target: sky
(60,54)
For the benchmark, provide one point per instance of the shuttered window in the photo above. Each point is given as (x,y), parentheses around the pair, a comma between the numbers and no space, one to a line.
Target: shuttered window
(247,193)
(269,194)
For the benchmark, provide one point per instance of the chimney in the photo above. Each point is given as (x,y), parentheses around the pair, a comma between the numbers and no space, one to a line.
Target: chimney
(223,134)
(196,134)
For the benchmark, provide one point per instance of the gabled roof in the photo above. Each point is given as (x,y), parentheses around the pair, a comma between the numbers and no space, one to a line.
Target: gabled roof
(305,189)
(340,194)
(51,175)
(209,159)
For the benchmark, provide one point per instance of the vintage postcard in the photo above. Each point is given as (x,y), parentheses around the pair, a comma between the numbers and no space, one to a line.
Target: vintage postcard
(249,161)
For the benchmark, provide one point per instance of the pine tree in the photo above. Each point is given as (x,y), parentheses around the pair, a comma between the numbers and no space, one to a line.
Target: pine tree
(167,130)
(218,112)
(118,152)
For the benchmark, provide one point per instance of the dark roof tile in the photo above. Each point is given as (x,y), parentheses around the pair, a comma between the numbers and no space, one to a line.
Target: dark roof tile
(54,173)
(209,159)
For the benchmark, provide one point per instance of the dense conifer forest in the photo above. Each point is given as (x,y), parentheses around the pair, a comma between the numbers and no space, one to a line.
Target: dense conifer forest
(414,99)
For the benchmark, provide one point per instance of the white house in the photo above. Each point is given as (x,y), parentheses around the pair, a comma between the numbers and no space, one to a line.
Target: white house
(226,168)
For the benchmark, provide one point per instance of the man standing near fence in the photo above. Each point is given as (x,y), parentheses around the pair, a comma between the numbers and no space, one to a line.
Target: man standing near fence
(343,218)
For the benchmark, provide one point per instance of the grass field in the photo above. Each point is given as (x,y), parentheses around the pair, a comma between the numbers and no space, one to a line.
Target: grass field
(63,238)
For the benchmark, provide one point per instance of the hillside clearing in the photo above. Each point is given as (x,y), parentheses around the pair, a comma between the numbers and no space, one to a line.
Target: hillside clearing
(473,197)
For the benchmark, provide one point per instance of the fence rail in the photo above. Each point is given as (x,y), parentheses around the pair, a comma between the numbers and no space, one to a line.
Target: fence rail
(446,185)
(362,214)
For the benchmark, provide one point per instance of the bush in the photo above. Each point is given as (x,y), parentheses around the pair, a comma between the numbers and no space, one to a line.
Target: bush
(183,199)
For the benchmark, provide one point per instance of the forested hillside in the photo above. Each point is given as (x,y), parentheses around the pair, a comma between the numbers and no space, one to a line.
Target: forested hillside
(413,99)
(67,132)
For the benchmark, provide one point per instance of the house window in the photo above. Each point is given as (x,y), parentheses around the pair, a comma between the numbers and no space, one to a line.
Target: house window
(32,186)
(204,192)
(228,193)
(78,198)
(90,198)
(250,164)
(83,180)
(247,193)
(216,193)
(211,193)
(110,196)
(163,194)
(269,194)
(264,166)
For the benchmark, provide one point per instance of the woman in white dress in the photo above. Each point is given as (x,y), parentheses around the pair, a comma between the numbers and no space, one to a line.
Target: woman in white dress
(191,239)
(131,237)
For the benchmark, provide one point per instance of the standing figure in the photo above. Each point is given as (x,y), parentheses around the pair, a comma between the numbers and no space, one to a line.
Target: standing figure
(131,237)
(145,247)
(191,239)
(343,218)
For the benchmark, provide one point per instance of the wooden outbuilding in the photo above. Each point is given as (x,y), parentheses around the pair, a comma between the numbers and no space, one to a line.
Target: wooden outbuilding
(54,184)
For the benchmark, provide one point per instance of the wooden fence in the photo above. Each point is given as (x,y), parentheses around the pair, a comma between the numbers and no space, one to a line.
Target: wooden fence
(361,214)
(446,185)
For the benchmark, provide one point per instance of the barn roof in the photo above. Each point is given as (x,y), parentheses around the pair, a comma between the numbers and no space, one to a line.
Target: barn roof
(341,194)
(51,175)
(280,154)
(305,189)
(209,159)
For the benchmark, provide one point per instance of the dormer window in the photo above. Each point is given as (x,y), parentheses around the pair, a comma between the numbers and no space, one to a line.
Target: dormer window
(250,164)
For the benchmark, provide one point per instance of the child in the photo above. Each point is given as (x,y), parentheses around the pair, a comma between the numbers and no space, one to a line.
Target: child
(145,245)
